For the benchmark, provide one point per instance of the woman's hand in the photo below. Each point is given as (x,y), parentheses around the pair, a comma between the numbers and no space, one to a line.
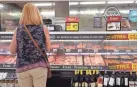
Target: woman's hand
(13,45)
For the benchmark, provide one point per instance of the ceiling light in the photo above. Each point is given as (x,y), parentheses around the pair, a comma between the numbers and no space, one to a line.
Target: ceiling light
(47,13)
(88,12)
(1,6)
(43,4)
(120,2)
(73,12)
(135,1)
(86,3)
(73,3)
(124,11)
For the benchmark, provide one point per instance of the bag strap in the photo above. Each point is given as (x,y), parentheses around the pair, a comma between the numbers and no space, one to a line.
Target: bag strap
(35,43)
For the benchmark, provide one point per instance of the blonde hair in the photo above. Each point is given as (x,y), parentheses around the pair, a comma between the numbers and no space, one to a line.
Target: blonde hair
(30,15)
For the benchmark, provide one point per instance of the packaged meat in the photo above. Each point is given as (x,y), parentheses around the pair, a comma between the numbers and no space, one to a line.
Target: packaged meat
(123,47)
(110,57)
(125,57)
(96,47)
(133,47)
(81,46)
(135,56)
(126,61)
(109,47)
(54,46)
(111,62)
(97,60)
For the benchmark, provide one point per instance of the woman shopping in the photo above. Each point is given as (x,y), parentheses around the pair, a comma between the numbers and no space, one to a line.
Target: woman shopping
(30,42)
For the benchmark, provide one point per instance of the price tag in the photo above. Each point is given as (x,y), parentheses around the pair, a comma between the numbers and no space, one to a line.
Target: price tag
(128,51)
(132,36)
(79,50)
(95,51)
(116,51)
(54,50)
(68,50)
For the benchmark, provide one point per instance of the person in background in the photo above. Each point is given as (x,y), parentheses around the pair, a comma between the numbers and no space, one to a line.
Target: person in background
(31,66)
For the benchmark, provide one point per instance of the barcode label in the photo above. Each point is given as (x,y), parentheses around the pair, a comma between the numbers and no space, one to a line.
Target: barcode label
(68,50)
(79,50)
(54,50)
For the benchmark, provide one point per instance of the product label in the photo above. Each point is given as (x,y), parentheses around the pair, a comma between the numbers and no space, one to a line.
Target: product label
(118,81)
(76,84)
(126,81)
(111,81)
(106,81)
(131,83)
(93,84)
(135,83)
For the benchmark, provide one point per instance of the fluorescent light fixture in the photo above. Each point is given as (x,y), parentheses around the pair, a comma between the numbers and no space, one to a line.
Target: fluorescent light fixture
(87,3)
(88,12)
(43,4)
(135,1)
(47,13)
(124,11)
(73,3)
(120,2)
(1,6)
(73,12)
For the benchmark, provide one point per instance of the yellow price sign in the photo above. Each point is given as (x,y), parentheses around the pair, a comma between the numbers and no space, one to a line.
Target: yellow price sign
(134,67)
(72,26)
(132,36)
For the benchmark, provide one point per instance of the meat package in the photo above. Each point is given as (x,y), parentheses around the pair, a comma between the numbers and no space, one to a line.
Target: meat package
(126,57)
(54,46)
(135,56)
(7,60)
(109,47)
(65,60)
(123,47)
(81,46)
(96,47)
(110,57)
(133,47)
(110,61)
(94,60)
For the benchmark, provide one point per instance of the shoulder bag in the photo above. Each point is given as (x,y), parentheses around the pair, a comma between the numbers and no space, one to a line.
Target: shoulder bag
(43,54)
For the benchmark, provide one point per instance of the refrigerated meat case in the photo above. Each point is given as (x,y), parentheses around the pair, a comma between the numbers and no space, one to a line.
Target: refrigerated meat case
(81,51)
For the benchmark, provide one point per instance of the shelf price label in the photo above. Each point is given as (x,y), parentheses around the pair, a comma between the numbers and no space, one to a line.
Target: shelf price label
(128,51)
(54,50)
(79,50)
(132,36)
(116,51)
(68,50)
(134,67)
(95,51)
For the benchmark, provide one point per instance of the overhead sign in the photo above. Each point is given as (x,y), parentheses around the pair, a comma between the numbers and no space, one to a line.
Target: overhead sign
(72,19)
(111,11)
(113,18)
(133,15)
(72,24)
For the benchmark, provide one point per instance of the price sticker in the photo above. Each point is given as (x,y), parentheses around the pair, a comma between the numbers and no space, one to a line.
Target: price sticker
(79,50)
(68,50)
(116,51)
(95,51)
(54,50)
(132,36)
(128,51)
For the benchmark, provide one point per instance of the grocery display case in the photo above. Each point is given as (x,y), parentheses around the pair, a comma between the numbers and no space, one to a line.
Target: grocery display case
(82,50)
